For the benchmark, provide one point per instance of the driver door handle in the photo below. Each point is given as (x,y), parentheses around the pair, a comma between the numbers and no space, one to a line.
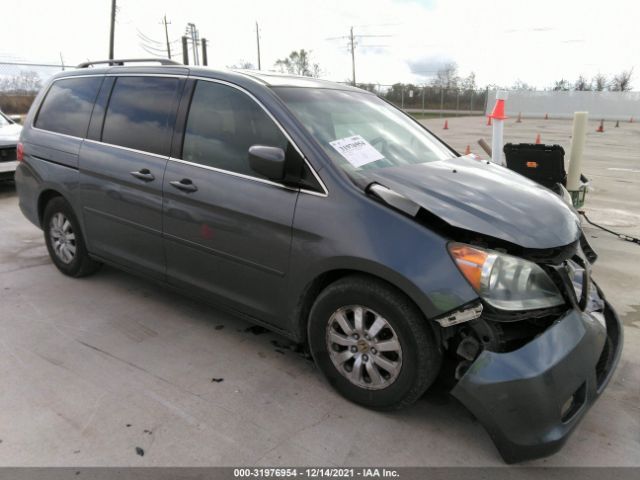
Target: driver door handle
(186,185)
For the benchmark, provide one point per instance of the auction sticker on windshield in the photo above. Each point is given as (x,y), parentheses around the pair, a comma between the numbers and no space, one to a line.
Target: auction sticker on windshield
(356,150)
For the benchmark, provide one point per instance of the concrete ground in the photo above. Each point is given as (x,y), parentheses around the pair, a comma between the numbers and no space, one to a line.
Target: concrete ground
(94,369)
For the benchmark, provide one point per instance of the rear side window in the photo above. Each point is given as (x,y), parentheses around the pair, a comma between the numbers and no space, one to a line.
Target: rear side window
(223,123)
(141,113)
(67,106)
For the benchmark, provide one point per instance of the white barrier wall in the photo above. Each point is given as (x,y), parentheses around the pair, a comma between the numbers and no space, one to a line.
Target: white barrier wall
(600,105)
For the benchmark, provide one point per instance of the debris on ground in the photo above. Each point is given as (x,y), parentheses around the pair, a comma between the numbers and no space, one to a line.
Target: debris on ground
(296,348)
(256,330)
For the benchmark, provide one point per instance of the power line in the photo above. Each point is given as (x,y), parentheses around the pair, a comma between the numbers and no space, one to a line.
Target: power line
(144,37)
(156,47)
(151,52)
(27,64)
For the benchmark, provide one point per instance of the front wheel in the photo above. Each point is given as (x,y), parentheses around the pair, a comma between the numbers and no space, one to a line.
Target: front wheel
(372,343)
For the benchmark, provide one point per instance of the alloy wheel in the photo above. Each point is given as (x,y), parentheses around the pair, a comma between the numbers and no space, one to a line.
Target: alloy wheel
(364,347)
(63,238)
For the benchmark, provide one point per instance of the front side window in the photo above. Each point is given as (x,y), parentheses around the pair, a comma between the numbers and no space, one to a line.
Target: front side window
(67,106)
(361,132)
(223,123)
(141,113)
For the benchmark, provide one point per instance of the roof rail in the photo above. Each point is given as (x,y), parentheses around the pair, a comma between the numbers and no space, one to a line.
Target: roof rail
(122,61)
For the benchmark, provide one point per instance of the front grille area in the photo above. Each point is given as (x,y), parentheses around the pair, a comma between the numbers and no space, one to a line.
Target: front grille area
(8,154)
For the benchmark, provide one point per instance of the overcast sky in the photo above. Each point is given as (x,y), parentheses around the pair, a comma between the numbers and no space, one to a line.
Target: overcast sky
(501,41)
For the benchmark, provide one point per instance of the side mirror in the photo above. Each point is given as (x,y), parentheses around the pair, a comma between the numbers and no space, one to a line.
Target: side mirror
(267,161)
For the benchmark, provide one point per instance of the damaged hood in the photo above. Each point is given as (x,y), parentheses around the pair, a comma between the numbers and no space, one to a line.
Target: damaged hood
(485,198)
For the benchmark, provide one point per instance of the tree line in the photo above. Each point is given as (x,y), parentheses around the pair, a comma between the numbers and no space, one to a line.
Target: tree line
(299,62)
(26,82)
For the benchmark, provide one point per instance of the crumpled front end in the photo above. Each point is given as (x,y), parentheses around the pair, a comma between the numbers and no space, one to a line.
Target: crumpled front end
(530,399)
(531,378)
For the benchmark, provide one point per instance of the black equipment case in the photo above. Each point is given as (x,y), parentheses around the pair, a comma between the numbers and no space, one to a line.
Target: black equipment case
(541,163)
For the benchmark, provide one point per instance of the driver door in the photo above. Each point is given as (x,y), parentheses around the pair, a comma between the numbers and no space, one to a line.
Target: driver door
(227,230)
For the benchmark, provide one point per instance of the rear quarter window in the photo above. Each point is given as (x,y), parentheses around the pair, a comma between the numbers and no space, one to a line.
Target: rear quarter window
(67,106)
(141,113)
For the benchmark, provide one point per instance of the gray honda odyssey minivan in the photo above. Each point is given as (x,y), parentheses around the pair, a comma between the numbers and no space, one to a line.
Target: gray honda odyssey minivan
(326,214)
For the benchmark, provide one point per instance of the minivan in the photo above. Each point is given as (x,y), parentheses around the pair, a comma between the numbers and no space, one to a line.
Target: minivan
(326,214)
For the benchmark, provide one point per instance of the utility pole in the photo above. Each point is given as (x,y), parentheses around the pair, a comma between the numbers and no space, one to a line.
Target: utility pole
(113,26)
(193,33)
(166,34)
(204,52)
(353,56)
(258,43)
(185,51)
(352,42)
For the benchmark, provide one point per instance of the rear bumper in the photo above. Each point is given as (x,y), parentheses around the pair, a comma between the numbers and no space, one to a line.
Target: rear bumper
(8,169)
(531,399)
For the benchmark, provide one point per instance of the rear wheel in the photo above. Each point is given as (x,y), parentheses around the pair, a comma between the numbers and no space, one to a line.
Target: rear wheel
(64,240)
(372,343)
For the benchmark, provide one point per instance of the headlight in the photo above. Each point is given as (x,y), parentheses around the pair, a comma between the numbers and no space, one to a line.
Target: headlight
(504,281)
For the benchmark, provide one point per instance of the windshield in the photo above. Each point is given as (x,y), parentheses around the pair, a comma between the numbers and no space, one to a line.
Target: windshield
(4,120)
(359,131)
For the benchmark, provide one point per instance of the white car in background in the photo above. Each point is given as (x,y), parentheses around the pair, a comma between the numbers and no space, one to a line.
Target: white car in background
(9,134)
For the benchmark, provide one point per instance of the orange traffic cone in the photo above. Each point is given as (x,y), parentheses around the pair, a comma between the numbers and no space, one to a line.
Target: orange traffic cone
(488,121)
(546,116)
(600,129)
(446,125)
(519,120)
(538,141)
(467,150)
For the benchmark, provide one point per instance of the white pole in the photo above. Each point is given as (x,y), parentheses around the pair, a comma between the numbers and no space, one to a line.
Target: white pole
(497,141)
(577,148)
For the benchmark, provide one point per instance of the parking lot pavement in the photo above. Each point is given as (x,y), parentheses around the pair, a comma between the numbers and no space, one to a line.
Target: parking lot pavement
(94,368)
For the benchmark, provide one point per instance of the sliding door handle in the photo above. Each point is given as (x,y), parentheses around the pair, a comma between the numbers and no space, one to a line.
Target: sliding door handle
(144,175)
(185,185)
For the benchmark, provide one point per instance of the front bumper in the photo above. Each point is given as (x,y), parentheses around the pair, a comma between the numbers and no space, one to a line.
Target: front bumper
(530,400)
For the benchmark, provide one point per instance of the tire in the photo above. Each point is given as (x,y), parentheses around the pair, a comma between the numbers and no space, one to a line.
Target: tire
(415,363)
(65,241)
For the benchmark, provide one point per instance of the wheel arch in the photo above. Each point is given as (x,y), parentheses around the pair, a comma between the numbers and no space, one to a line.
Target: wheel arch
(44,198)
(322,280)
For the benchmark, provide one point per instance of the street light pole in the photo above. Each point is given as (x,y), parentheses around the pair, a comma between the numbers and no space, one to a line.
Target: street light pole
(258,44)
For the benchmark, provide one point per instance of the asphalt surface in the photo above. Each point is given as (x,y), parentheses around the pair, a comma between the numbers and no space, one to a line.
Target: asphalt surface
(97,371)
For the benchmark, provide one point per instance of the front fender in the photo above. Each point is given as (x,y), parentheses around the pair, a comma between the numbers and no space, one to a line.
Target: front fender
(361,235)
